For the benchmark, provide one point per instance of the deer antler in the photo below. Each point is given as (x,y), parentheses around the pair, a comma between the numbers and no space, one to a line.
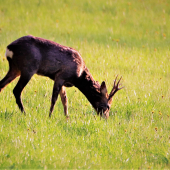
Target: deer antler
(115,88)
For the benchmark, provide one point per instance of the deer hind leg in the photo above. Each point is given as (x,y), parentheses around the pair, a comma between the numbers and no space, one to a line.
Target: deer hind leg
(56,90)
(24,79)
(64,100)
(10,76)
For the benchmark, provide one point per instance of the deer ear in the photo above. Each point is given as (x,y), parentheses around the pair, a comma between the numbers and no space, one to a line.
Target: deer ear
(103,88)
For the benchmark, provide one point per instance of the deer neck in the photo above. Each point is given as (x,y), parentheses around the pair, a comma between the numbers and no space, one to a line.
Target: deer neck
(89,87)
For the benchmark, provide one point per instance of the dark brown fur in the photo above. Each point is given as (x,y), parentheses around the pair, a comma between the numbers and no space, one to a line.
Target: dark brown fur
(64,65)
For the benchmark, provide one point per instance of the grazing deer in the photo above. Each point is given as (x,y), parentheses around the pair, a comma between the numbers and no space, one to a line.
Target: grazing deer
(29,55)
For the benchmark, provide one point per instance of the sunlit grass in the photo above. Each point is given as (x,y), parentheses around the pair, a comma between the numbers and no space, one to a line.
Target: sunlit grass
(130,39)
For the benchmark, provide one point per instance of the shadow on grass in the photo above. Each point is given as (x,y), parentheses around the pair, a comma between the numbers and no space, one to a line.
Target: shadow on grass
(158,158)
(6,115)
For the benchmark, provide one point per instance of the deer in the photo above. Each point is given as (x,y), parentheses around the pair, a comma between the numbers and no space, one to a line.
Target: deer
(31,55)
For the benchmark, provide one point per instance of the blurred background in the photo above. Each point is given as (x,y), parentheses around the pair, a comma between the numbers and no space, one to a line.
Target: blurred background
(129,38)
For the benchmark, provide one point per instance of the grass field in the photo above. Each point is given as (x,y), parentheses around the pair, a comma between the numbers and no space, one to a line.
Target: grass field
(130,38)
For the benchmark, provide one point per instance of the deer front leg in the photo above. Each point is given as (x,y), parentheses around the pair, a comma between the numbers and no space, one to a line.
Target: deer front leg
(64,100)
(56,90)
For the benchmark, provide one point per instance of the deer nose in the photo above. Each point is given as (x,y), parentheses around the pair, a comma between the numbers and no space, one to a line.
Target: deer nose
(106,114)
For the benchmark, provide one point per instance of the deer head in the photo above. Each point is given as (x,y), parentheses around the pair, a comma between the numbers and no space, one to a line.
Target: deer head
(103,107)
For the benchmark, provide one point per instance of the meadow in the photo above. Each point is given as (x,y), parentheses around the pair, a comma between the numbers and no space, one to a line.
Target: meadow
(115,37)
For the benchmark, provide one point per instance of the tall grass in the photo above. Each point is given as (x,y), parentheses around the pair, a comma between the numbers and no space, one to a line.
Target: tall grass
(129,38)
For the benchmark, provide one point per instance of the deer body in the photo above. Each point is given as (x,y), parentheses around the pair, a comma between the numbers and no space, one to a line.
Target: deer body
(31,55)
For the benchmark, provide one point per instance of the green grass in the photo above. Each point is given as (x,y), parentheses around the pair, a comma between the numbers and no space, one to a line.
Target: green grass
(129,38)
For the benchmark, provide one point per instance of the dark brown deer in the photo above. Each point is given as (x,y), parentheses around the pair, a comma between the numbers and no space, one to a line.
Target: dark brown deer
(29,55)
